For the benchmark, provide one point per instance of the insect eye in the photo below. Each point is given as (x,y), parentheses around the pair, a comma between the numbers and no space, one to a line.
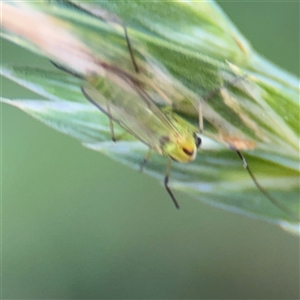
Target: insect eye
(198,141)
(188,152)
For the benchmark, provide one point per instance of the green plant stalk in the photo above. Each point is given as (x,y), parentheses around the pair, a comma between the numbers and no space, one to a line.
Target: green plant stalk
(261,112)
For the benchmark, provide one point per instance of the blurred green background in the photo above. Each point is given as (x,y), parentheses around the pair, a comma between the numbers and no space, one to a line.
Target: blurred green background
(78,225)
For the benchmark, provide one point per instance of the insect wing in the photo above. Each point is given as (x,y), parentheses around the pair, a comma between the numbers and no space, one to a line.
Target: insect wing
(130,107)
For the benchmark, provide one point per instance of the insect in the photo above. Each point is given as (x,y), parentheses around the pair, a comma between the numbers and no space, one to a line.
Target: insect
(125,101)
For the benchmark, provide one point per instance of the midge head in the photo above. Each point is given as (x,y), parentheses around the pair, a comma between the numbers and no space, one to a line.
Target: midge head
(181,147)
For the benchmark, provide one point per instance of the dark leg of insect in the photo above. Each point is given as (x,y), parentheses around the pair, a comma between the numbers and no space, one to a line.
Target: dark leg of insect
(111,124)
(166,181)
(92,13)
(64,69)
(130,50)
(145,160)
(269,197)
(200,117)
(242,158)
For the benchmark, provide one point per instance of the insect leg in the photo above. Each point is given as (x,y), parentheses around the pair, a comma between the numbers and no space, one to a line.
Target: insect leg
(201,126)
(166,181)
(108,113)
(267,195)
(145,160)
(64,69)
(144,96)
(110,18)
(130,50)
(111,124)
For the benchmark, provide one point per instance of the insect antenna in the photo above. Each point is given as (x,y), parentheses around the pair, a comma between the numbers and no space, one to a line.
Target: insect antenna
(266,194)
